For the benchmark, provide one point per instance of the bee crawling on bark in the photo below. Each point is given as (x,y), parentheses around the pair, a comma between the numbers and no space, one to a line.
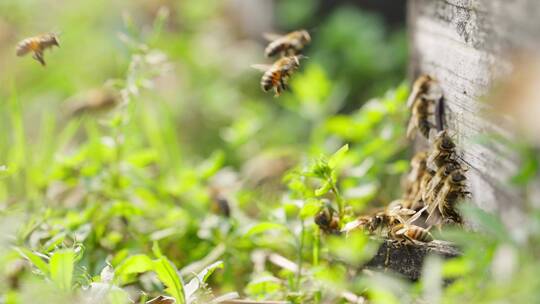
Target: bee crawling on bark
(420,118)
(407,232)
(425,85)
(276,75)
(443,150)
(286,45)
(381,219)
(452,190)
(37,45)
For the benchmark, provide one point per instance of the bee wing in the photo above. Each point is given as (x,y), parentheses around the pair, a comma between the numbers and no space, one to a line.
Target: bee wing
(416,215)
(261,67)
(351,225)
(439,200)
(271,36)
(413,96)
(406,211)
(411,128)
(402,231)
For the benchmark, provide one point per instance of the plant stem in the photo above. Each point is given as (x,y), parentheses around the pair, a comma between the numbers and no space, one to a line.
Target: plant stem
(339,199)
(300,257)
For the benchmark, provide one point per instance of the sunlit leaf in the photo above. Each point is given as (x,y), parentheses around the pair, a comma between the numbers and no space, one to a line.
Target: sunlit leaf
(134,264)
(338,156)
(168,275)
(61,268)
(324,188)
(310,208)
(34,259)
(263,227)
(200,279)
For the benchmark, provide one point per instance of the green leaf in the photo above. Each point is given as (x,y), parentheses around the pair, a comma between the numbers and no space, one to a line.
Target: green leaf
(310,208)
(156,250)
(195,283)
(134,264)
(322,190)
(263,227)
(338,156)
(61,268)
(34,259)
(168,275)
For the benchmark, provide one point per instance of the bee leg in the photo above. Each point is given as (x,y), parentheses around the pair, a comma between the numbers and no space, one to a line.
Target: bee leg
(387,259)
(283,85)
(39,57)
(277,90)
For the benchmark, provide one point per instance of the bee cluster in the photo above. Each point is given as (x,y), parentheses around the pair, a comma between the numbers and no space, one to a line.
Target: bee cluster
(435,183)
(289,48)
(437,179)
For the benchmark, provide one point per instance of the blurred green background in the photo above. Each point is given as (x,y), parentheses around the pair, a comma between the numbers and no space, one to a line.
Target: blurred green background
(145,157)
(189,123)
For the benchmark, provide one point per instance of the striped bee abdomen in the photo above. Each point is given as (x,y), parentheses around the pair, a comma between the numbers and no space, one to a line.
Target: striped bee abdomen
(276,47)
(27,45)
(269,80)
(419,234)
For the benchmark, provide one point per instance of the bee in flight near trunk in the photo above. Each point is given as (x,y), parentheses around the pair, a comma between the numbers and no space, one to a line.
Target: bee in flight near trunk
(38,45)
(287,45)
(276,76)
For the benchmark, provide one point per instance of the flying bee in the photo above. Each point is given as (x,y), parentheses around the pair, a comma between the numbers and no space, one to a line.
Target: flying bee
(276,75)
(37,45)
(443,150)
(407,232)
(92,102)
(219,202)
(328,220)
(424,85)
(421,111)
(287,45)
(418,169)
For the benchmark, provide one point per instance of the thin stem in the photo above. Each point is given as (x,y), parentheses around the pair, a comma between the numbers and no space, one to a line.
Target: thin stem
(315,262)
(300,257)
(339,199)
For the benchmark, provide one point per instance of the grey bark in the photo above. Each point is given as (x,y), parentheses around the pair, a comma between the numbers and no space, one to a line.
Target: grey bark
(407,259)
(467,45)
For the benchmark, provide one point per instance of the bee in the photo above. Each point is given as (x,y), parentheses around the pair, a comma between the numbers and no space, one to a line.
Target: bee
(426,86)
(37,45)
(443,150)
(422,188)
(418,169)
(276,75)
(219,202)
(93,101)
(421,111)
(453,189)
(328,220)
(385,218)
(407,232)
(287,45)
(435,184)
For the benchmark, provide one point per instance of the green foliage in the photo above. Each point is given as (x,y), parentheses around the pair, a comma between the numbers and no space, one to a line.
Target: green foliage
(116,207)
